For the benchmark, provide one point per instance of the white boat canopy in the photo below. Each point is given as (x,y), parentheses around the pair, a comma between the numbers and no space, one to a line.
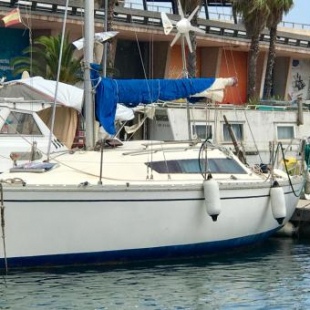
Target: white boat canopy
(38,88)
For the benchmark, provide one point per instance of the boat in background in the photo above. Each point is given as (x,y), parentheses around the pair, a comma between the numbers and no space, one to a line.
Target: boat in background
(25,113)
(24,137)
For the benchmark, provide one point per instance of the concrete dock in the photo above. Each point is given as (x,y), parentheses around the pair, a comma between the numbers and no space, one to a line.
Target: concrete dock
(299,224)
(300,221)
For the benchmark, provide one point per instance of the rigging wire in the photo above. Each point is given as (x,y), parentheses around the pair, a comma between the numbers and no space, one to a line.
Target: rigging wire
(279,149)
(151,73)
(2,215)
(28,140)
(239,99)
(231,56)
(28,24)
(203,149)
(57,79)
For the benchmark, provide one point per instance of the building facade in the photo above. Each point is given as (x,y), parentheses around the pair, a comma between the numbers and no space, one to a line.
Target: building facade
(144,51)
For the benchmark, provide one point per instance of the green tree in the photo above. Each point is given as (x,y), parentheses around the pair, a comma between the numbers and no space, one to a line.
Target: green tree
(277,9)
(254,14)
(42,59)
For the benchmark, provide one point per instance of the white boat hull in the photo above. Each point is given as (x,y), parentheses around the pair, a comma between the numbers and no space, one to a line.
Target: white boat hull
(65,225)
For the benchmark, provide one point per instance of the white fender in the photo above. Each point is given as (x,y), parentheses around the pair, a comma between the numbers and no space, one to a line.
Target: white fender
(212,197)
(278,205)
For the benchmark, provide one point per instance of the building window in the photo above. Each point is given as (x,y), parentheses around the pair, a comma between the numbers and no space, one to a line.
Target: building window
(202,131)
(237,130)
(285,132)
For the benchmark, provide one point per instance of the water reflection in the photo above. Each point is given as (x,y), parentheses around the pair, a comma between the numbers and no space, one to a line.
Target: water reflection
(274,275)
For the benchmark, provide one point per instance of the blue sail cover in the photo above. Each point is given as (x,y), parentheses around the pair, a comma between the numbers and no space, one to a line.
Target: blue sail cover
(132,92)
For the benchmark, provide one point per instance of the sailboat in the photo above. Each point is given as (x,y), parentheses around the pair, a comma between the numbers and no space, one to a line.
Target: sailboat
(140,200)
(24,134)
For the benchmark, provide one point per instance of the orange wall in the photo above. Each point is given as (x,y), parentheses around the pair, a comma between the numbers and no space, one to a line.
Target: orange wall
(234,63)
(174,68)
(175,65)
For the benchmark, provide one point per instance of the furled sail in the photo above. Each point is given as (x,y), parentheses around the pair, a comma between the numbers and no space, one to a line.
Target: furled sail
(133,92)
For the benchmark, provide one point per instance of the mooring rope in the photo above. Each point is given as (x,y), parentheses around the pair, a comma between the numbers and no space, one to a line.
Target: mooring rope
(3,229)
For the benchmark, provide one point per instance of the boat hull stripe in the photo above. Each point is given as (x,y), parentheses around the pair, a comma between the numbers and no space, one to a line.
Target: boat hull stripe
(121,256)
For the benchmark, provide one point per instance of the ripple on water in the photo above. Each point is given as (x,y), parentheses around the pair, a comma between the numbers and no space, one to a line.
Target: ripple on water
(275,275)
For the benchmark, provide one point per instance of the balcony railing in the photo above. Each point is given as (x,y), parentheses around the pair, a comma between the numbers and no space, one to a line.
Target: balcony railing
(151,18)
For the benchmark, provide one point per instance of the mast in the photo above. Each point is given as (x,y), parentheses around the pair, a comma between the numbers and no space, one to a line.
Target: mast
(88,59)
(185,75)
(105,45)
(183,27)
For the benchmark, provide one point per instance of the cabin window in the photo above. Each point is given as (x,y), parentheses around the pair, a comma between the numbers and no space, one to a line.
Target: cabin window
(202,131)
(285,132)
(237,130)
(20,123)
(214,165)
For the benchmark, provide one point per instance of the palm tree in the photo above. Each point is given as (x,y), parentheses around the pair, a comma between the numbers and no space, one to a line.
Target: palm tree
(188,7)
(254,14)
(42,59)
(277,9)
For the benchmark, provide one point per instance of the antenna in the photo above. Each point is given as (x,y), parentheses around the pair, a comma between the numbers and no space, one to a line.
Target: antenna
(183,26)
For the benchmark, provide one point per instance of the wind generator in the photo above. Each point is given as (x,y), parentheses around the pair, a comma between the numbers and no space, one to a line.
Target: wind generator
(183,27)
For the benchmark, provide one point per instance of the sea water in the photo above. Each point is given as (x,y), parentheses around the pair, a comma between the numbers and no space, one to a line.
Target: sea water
(273,275)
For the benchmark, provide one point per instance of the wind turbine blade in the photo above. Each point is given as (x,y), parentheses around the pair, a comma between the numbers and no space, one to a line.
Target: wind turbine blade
(188,40)
(196,29)
(98,37)
(176,38)
(193,13)
(167,24)
(79,44)
(105,36)
(180,9)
